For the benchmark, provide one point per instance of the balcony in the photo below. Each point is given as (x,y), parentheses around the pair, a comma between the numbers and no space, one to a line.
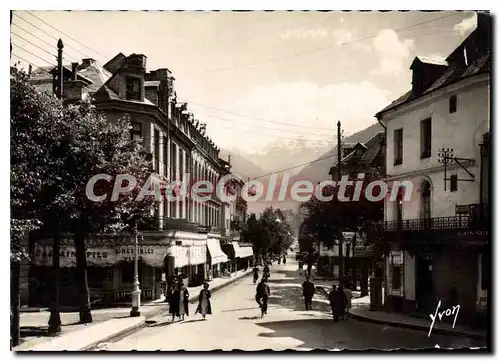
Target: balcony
(467,227)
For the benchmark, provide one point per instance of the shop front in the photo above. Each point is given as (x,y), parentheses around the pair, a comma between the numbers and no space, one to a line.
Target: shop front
(215,257)
(246,255)
(186,257)
(110,270)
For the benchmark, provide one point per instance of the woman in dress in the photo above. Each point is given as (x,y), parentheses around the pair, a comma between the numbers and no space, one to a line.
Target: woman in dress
(179,306)
(204,306)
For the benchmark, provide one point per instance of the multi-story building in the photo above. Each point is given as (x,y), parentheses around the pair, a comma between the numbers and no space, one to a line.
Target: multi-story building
(437,138)
(358,260)
(185,238)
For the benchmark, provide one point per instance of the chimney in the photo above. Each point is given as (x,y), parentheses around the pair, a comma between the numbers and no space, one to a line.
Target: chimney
(74,71)
(87,62)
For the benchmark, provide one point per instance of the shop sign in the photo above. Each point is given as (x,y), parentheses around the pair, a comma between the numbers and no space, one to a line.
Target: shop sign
(126,295)
(101,256)
(98,256)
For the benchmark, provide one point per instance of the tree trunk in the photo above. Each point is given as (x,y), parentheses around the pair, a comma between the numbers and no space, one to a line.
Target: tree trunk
(364,278)
(55,317)
(15,334)
(81,272)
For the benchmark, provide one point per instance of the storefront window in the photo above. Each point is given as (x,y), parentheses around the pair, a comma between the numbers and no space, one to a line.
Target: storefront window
(95,277)
(396,277)
(485,272)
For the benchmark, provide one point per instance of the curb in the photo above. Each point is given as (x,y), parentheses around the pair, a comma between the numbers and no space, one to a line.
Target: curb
(123,333)
(117,335)
(416,327)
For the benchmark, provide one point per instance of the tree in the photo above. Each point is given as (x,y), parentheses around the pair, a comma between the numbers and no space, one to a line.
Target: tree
(325,221)
(271,232)
(97,146)
(34,148)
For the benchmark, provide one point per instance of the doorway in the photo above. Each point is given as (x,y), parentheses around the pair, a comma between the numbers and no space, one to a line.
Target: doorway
(424,285)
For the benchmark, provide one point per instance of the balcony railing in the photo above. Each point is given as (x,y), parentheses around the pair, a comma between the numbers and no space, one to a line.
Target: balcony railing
(464,222)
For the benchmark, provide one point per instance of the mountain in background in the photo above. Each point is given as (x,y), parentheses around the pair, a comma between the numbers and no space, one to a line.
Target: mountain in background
(241,166)
(266,165)
(314,172)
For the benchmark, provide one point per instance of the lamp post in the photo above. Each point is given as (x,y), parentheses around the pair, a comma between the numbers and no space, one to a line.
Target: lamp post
(136,291)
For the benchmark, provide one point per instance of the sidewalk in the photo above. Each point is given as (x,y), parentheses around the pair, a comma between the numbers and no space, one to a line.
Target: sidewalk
(108,323)
(362,312)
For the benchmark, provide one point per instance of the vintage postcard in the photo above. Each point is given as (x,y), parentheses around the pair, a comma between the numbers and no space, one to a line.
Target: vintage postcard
(250,180)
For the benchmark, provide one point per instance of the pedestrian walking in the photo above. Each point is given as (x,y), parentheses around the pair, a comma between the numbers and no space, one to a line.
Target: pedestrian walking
(284,259)
(262,295)
(337,303)
(301,266)
(255,274)
(179,304)
(308,293)
(342,302)
(279,259)
(266,272)
(204,305)
(348,295)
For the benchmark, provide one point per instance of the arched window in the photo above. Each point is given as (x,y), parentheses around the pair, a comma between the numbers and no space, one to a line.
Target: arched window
(425,194)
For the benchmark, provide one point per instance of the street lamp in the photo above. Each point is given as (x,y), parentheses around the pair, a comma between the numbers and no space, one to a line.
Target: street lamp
(136,291)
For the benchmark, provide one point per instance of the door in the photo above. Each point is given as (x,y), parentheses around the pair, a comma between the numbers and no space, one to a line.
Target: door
(424,285)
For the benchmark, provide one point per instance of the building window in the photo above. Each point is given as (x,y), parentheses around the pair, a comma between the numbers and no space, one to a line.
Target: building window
(157,150)
(399,208)
(396,277)
(398,146)
(136,132)
(453,104)
(453,183)
(133,88)
(425,138)
(426,200)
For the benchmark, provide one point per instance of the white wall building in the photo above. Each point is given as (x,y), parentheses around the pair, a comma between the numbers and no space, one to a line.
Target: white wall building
(447,107)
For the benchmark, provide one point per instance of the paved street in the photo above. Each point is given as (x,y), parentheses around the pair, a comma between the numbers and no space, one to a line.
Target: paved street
(236,324)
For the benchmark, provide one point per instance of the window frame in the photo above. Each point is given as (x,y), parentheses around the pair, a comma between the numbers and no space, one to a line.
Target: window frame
(398,146)
(453,104)
(425,138)
(453,183)
(132,94)
(136,132)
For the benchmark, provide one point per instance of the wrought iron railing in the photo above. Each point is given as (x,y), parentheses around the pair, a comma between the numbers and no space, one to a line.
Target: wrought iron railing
(464,222)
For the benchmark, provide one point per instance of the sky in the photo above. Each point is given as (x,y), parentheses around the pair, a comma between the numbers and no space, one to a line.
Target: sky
(258,78)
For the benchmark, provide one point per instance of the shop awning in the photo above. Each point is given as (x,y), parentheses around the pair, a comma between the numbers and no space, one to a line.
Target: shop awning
(238,251)
(246,251)
(216,254)
(101,256)
(197,254)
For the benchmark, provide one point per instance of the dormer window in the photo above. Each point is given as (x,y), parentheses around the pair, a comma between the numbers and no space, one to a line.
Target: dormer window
(133,88)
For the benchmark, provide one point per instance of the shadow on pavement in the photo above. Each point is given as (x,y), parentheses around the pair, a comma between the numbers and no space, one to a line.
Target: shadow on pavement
(242,309)
(35,332)
(290,297)
(355,335)
(250,318)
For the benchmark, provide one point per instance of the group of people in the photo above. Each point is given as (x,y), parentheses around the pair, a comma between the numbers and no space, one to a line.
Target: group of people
(340,298)
(178,299)
(340,301)
(262,291)
(265,273)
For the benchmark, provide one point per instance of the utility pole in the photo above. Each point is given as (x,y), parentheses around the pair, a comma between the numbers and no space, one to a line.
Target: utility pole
(59,76)
(136,291)
(339,169)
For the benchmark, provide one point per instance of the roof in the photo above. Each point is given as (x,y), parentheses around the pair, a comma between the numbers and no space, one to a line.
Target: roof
(453,74)
(97,74)
(432,61)
(152,83)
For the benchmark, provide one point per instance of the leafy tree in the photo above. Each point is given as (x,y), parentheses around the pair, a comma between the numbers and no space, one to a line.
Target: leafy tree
(270,232)
(35,144)
(325,221)
(97,146)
